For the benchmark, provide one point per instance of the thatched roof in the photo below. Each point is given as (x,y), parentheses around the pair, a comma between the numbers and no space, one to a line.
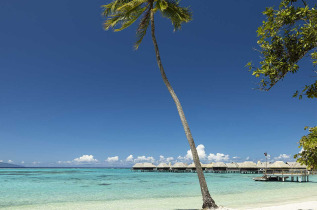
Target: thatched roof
(279,164)
(149,165)
(208,165)
(138,165)
(219,165)
(179,165)
(144,165)
(192,165)
(216,165)
(231,165)
(203,165)
(162,165)
(247,164)
(296,165)
(261,164)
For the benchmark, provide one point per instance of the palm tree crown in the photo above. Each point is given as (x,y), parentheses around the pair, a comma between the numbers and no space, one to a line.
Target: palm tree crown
(120,14)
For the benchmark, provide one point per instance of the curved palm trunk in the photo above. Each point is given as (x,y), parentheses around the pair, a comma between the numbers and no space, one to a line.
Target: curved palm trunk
(208,202)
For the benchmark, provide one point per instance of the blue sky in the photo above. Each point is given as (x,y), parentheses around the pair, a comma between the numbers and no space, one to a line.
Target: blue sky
(68,88)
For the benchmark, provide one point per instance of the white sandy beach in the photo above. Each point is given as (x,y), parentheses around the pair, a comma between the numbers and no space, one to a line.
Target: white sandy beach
(308,205)
(156,204)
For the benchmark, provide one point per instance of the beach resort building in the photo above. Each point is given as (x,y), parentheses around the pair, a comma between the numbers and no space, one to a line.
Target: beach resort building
(293,169)
(232,168)
(191,167)
(163,167)
(248,167)
(144,167)
(179,167)
(217,167)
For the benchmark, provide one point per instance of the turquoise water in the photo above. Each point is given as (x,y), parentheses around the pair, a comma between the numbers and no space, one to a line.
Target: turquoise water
(36,187)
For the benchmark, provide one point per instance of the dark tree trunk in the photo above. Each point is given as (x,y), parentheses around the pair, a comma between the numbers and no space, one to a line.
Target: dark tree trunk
(208,202)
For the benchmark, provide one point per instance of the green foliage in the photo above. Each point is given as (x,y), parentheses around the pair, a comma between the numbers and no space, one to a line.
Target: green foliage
(308,143)
(120,14)
(288,34)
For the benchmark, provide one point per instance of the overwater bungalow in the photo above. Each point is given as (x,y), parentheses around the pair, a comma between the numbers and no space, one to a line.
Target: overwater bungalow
(179,167)
(191,167)
(248,167)
(261,166)
(144,167)
(203,166)
(163,167)
(219,167)
(296,165)
(208,167)
(279,165)
(232,168)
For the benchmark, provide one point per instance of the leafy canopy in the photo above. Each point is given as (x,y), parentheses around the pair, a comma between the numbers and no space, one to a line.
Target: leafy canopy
(120,14)
(308,155)
(288,34)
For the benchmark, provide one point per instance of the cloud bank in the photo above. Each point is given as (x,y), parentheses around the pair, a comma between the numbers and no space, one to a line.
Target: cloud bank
(86,159)
(187,157)
(112,159)
(283,157)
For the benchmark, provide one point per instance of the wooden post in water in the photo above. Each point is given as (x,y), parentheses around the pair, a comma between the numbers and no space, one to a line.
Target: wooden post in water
(265,163)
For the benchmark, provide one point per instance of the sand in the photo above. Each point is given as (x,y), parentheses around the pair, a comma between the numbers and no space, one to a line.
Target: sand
(307,205)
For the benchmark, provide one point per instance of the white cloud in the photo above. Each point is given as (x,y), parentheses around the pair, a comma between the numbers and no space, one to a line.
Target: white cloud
(129,158)
(112,159)
(1,161)
(200,150)
(169,159)
(35,163)
(64,162)
(163,159)
(203,156)
(248,158)
(86,159)
(236,157)
(180,158)
(282,157)
(22,162)
(10,161)
(144,159)
(302,150)
(218,157)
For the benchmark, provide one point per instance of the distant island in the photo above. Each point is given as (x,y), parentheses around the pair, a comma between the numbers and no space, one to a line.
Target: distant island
(9,165)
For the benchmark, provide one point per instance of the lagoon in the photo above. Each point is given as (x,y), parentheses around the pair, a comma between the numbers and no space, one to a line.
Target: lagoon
(105,188)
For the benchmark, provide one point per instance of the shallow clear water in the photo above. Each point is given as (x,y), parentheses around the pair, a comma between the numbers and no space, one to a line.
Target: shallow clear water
(29,186)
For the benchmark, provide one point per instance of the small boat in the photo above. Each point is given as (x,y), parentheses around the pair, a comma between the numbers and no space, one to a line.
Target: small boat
(263,178)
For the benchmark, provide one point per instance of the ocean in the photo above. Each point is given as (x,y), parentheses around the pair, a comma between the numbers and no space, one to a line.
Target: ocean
(101,188)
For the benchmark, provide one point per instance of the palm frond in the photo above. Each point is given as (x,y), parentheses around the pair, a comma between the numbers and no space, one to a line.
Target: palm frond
(125,19)
(132,18)
(111,8)
(123,13)
(177,14)
(130,5)
(144,24)
(112,22)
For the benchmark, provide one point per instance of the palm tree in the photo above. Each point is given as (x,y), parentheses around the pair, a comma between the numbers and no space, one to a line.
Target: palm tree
(123,13)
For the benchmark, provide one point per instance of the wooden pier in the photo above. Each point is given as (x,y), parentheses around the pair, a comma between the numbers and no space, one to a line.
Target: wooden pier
(284,175)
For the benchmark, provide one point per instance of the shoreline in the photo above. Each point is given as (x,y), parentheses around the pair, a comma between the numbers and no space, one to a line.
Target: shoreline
(166,203)
(309,205)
